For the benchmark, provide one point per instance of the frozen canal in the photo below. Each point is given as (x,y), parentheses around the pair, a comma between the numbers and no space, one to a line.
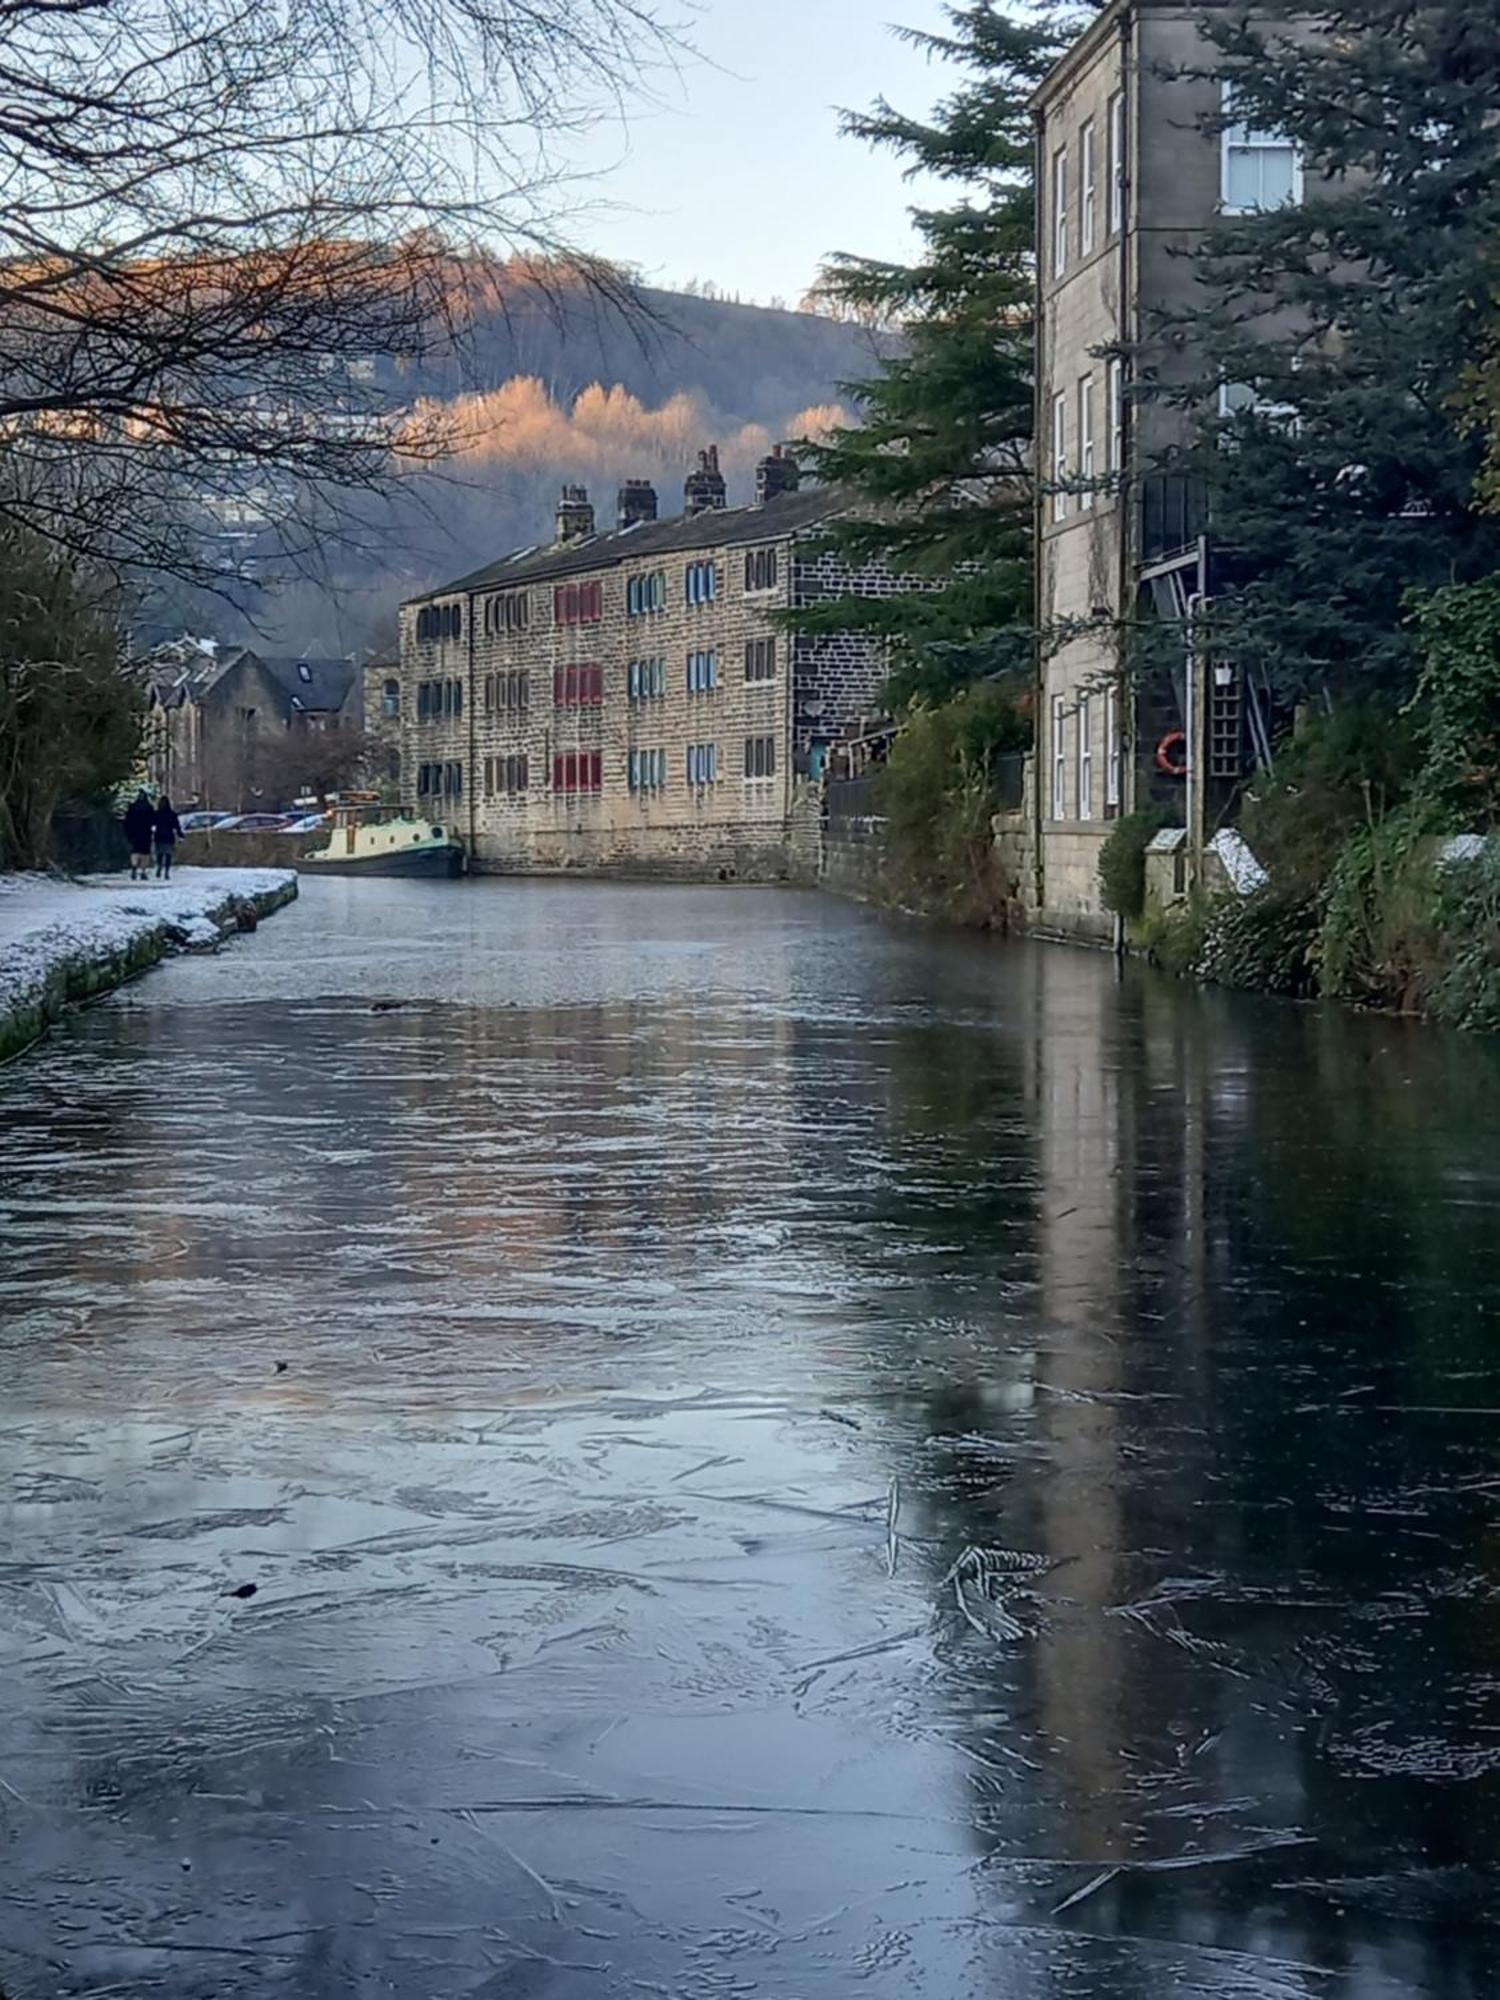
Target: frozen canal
(776,1456)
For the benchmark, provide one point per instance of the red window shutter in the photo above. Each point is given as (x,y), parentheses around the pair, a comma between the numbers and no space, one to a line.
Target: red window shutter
(557,774)
(596,771)
(557,687)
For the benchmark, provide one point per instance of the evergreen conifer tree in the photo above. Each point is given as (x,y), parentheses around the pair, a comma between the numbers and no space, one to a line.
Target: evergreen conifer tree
(940,464)
(1355,317)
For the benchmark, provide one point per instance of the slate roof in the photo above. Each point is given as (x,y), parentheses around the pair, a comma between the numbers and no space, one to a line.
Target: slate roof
(320,686)
(718,527)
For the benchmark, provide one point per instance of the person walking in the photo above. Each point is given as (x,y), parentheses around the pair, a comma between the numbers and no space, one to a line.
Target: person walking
(140,829)
(165,828)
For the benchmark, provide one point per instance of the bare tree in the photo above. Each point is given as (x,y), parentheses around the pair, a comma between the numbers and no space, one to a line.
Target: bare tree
(229,229)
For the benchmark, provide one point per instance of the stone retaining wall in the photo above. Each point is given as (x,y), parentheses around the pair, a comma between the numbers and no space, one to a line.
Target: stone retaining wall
(46,972)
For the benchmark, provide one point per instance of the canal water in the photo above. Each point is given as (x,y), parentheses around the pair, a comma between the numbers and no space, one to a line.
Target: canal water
(562,1440)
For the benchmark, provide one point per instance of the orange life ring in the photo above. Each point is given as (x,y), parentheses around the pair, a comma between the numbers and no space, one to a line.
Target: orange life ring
(1173,740)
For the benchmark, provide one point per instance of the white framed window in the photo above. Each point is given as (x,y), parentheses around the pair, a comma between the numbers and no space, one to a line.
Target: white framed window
(1059,758)
(1115,165)
(1113,762)
(1257,169)
(1087,194)
(1115,416)
(1059,211)
(1059,456)
(1086,440)
(1085,758)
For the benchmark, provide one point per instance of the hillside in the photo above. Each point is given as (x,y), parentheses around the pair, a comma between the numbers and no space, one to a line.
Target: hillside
(546,386)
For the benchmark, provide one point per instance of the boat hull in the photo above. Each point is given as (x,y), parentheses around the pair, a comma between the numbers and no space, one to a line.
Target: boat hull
(427,861)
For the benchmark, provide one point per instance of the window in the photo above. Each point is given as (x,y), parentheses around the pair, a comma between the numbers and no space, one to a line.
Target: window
(760,659)
(646,680)
(507,693)
(647,770)
(1059,211)
(390,701)
(760,569)
(1258,169)
(1059,759)
(1086,191)
(578,685)
(1115,379)
(439,621)
(1116,163)
(578,771)
(453,779)
(646,593)
(511,613)
(1059,457)
(760,756)
(577,603)
(702,763)
(703,671)
(1086,440)
(1112,758)
(701,582)
(1085,758)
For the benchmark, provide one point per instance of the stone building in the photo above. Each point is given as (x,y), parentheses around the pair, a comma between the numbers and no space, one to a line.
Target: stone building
(628,699)
(228,728)
(1128,178)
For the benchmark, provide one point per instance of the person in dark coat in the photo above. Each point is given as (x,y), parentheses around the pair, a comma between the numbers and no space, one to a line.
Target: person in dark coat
(165,830)
(140,830)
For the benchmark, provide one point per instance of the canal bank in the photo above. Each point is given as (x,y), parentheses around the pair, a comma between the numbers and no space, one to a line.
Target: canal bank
(64,942)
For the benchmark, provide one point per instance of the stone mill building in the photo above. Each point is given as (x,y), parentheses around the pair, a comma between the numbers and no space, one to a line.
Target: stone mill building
(630,699)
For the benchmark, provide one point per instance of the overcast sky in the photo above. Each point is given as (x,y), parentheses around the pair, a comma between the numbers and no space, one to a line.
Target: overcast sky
(740,176)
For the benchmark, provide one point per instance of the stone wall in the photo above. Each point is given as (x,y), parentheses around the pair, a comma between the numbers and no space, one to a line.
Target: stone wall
(247,850)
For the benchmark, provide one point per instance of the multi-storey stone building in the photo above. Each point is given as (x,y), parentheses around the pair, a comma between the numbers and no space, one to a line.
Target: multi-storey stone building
(631,700)
(1130,173)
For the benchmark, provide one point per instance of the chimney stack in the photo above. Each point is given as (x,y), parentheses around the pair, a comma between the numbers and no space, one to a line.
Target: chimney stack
(575,516)
(704,489)
(636,503)
(780,473)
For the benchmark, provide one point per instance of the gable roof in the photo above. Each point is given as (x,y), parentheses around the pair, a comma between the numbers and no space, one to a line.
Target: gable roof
(312,685)
(716,528)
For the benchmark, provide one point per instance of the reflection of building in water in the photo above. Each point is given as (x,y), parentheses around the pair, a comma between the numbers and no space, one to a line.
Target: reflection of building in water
(1084,1253)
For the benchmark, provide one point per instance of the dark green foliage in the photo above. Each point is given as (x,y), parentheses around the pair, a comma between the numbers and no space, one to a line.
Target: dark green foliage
(1464,991)
(1361,484)
(1122,861)
(1175,937)
(1338,771)
(70,715)
(1460,694)
(938,794)
(1380,940)
(1266,943)
(940,465)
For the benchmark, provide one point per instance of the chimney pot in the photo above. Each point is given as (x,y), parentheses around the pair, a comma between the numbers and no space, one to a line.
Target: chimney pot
(704,489)
(575,515)
(777,473)
(636,503)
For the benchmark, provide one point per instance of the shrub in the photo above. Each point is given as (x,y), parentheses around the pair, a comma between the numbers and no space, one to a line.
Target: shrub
(1460,690)
(1266,943)
(938,793)
(1380,939)
(1174,938)
(1122,861)
(1465,990)
(1339,771)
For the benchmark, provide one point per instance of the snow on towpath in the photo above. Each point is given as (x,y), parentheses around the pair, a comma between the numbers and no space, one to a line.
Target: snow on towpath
(62,941)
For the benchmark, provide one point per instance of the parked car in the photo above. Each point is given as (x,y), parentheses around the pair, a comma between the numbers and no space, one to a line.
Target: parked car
(201,822)
(308,823)
(254,823)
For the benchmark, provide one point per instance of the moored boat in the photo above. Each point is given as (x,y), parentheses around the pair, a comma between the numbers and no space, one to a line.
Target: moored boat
(375,840)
